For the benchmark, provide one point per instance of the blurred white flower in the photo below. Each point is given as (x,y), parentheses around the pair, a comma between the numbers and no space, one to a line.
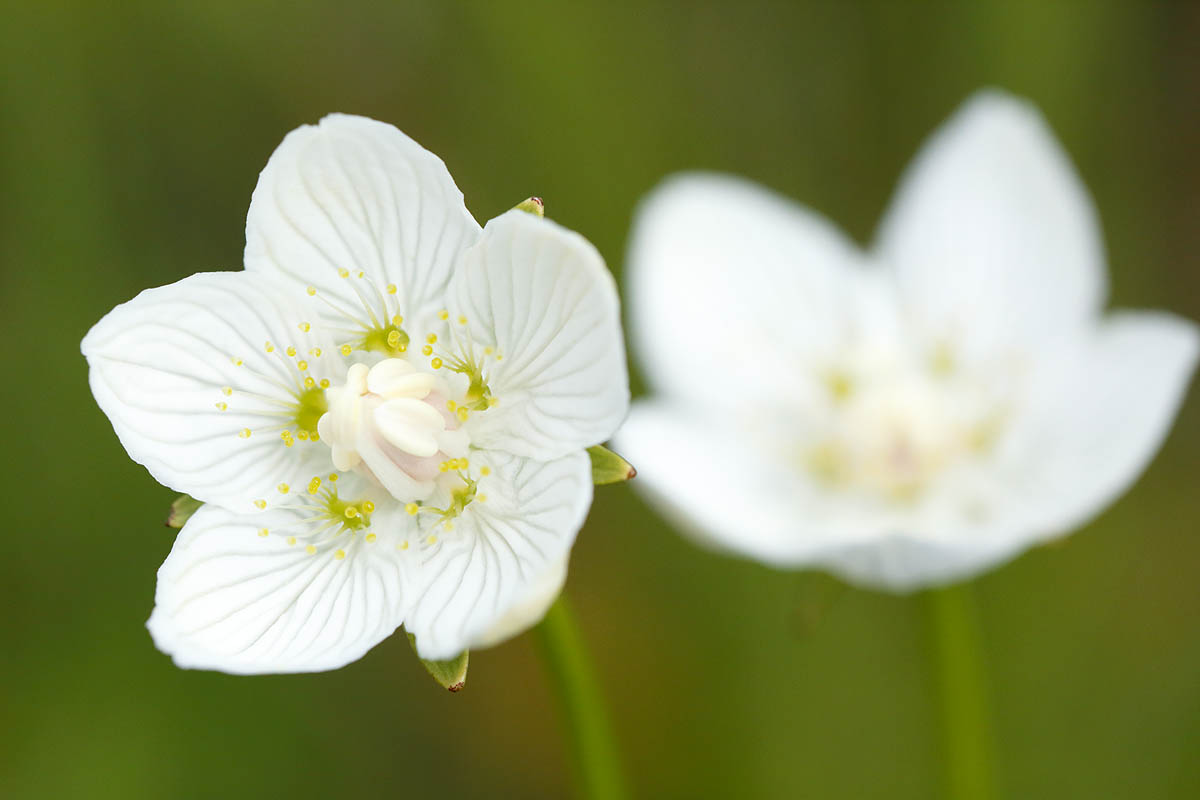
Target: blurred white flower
(386,412)
(912,414)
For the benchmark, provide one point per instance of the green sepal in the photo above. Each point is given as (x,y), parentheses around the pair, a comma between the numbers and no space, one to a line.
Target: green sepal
(608,467)
(182,509)
(450,674)
(532,205)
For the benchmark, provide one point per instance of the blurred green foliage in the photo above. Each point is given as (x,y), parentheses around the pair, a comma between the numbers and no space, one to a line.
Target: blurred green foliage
(131,135)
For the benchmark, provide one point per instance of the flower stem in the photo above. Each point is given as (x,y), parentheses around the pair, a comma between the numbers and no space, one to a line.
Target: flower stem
(959,661)
(596,764)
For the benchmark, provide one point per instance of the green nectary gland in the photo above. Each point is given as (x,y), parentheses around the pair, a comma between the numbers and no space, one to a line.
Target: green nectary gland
(310,406)
(478,394)
(336,507)
(389,340)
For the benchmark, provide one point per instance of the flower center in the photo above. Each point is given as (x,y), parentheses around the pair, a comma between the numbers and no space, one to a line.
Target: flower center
(892,429)
(390,423)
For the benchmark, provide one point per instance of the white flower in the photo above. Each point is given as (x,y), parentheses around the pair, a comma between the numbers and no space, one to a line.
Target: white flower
(912,414)
(385,413)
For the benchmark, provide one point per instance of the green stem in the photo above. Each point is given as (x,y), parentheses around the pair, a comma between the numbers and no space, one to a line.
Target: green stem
(958,655)
(596,765)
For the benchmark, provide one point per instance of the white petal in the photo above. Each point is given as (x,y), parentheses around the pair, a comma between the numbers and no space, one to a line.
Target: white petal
(541,296)
(1098,419)
(733,498)
(733,289)
(164,364)
(355,194)
(478,572)
(232,600)
(539,595)
(411,425)
(712,483)
(992,236)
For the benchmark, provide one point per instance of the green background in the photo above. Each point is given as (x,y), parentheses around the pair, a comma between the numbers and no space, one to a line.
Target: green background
(131,135)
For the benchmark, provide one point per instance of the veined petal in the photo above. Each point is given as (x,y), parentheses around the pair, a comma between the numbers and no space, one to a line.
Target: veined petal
(540,299)
(992,236)
(200,378)
(528,611)
(734,289)
(352,194)
(499,551)
(268,592)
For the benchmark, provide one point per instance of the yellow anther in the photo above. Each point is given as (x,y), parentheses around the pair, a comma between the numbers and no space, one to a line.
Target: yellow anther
(462,320)
(447,525)
(370,537)
(227,390)
(437,364)
(412,509)
(291,351)
(302,435)
(312,290)
(339,555)
(463,463)
(310,550)
(260,504)
(493,401)
(481,498)
(346,349)
(450,404)
(222,406)
(283,488)
(427,350)
(314,436)
(487,351)
(302,365)
(432,540)
(368,506)
(237,362)
(315,352)
(432,338)
(361,273)
(444,466)
(443,314)
(391,289)
(333,476)
(485,470)
(463,413)
(397,320)
(324,383)
(291,541)
(499,357)
(263,532)
(269,347)
(351,512)
(314,485)
(244,433)
(309,382)
(343,272)
(402,546)
(304,326)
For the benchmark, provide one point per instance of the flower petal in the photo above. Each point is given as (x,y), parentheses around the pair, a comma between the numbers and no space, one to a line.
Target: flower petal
(734,288)
(992,236)
(355,194)
(183,373)
(234,599)
(499,552)
(1099,417)
(541,297)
